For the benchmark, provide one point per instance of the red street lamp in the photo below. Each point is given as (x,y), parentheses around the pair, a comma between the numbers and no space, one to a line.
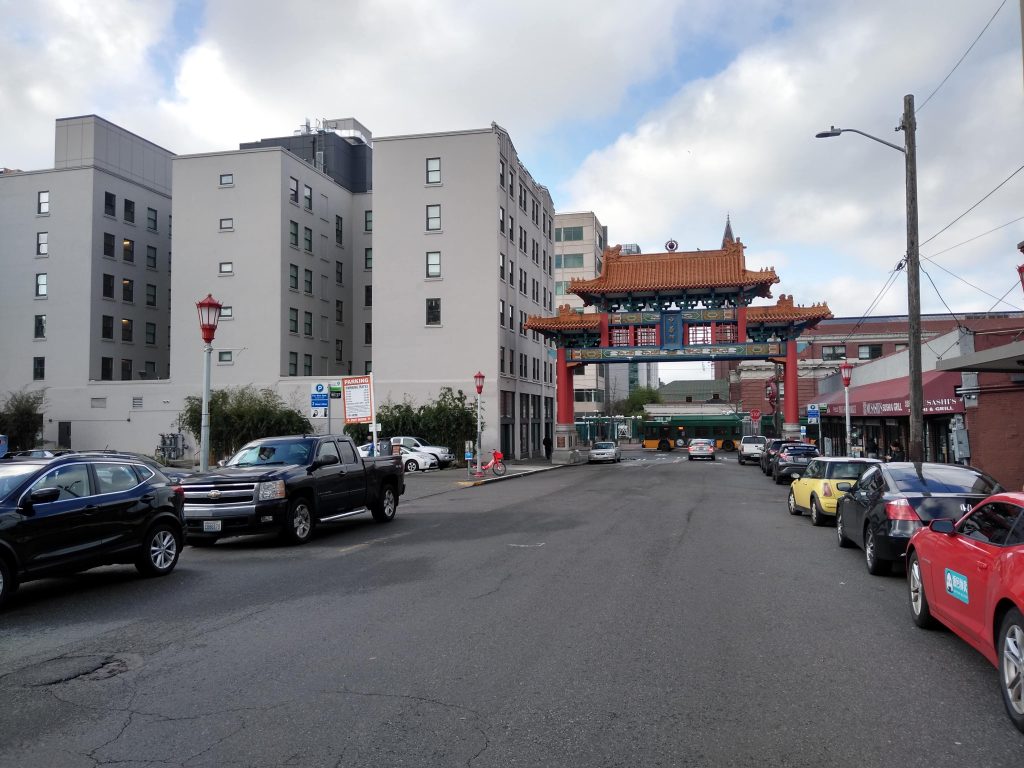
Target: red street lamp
(209,315)
(478,380)
(846,371)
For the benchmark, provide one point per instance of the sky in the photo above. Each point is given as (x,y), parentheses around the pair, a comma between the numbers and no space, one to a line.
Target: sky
(661,116)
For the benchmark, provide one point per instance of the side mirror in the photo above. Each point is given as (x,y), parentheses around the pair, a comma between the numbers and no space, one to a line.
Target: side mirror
(41,496)
(844,486)
(943,525)
(326,460)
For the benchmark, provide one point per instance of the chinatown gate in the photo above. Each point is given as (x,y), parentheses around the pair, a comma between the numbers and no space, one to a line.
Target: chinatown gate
(674,306)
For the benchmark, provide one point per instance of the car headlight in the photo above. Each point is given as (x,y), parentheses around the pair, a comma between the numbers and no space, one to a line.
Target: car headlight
(274,489)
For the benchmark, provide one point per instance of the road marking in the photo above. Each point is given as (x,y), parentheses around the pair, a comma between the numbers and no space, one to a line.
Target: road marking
(527,546)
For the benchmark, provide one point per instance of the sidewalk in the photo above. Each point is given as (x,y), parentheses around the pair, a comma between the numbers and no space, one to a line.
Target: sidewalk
(419,485)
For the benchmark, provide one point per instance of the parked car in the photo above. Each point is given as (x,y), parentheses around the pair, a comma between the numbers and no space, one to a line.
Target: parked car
(699,448)
(769,452)
(70,513)
(289,485)
(417,460)
(892,501)
(604,451)
(814,490)
(37,453)
(444,455)
(751,447)
(969,576)
(792,459)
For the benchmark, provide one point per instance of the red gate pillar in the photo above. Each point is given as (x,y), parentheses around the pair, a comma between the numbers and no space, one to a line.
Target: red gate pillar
(791,409)
(564,450)
(741,325)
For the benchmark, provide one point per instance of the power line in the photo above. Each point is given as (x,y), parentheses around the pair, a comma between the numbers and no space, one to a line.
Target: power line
(1013,285)
(971,240)
(972,285)
(961,58)
(986,197)
(885,289)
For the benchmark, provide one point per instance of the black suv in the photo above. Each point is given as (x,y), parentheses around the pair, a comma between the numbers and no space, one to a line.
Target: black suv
(792,459)
(70,513)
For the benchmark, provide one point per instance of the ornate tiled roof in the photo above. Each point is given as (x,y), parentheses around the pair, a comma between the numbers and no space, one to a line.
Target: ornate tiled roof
(785,312)
(567,319)
(666,273)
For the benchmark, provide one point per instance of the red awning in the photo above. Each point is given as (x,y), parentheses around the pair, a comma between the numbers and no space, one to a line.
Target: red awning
(892,397)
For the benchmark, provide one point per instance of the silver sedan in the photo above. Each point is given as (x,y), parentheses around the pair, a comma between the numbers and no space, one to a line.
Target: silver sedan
(604,451)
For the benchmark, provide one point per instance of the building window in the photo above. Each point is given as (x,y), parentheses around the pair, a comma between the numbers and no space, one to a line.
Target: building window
(501,173)
(151,257)
(38,368)
(368,367)
(307,324)
(501,218)
(501,266)
(42,243)
(226,267)
(501,312)
(109,204)
(433,311)
(127,290)
(42,202)
(433,170)
(433,263)
(307,197)
(127,329)
(40,327)
(224,357)
(307,365)
(836,352)
(108,244)
(150,369)
(511,316)
(293,363)
(307,239)
(150,295)
(108,286)
(293,277)
(151,219)
(307,281)
(367,221)
(293,320)
(151,333)
(368,296)
(227,224)
(339,272)
(561,287)
(339,311)
(293,190)
(126,370)
(227,179)
(569,260)
(433,218)
(368,333)
(522,281)
(128,250)
(339,350)
(41,286)
(869,351)
(129,211)
(339,230)
(293,234)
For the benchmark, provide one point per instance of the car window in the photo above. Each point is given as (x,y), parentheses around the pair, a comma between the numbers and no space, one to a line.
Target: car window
(813,471)
(1017,534)
(870,480)
(604,446)
(941,478)
(991,523)
(71,479)
(13,475)
(114,477)
(847,470)
(327,448)
(348,453)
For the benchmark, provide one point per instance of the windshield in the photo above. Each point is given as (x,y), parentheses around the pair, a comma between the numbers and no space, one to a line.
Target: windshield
(604,446)
(273,452)
(13,475)
(941,478)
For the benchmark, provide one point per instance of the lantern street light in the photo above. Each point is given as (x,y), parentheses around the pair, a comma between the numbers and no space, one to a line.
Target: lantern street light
(479,381)
(209,315)
(915,443)
(846,371)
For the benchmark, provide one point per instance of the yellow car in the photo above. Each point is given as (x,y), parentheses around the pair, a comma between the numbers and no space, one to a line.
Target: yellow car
(814,490)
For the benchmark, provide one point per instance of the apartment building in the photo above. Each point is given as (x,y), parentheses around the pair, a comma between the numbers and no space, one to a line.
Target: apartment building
(464,252)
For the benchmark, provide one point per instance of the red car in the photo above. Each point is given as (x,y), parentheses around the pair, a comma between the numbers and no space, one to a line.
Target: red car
(969,575)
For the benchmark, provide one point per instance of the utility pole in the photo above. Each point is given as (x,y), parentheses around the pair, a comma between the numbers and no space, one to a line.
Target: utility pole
(915,445)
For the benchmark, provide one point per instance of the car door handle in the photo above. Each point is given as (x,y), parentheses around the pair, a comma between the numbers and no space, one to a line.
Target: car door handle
(147,498)
(982,565)
(92,509)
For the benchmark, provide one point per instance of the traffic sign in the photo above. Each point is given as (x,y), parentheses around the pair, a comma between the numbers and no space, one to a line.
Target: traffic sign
(755,414)
(318,397)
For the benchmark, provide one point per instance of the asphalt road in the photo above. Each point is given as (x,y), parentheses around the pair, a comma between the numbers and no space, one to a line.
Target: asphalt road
(650,613)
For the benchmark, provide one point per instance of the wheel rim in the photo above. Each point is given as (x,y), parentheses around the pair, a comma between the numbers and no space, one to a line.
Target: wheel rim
(815,515)
(410,466)
(301,521)
(1013,667)
(869,547)
(792,502)
(839,528)
(389,503)
(162,550)
(915,587)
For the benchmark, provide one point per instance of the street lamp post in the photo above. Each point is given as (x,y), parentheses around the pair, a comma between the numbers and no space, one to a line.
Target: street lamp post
(915,443)
(478,380)
(846,370)
(209,315)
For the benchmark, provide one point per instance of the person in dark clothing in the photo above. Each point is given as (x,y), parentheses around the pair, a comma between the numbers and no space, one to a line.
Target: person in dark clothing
(896,452)
(547,447)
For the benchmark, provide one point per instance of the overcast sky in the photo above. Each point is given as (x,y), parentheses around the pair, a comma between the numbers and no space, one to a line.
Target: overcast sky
(662,116)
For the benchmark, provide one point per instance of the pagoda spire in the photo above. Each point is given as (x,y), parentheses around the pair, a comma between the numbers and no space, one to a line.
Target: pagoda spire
(727,238)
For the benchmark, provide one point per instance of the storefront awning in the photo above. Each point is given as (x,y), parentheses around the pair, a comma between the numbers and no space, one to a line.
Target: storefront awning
(892,397)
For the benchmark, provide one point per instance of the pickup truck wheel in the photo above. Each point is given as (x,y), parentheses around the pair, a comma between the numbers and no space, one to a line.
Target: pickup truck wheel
(386,505)
(298,526)
(159,551)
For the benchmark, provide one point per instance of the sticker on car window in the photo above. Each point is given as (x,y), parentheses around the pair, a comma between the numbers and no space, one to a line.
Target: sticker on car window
(956,585)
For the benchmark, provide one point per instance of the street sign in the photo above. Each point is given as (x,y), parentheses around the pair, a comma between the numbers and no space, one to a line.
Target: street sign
(318,397)
(335,388)
(755,414)
(358,391)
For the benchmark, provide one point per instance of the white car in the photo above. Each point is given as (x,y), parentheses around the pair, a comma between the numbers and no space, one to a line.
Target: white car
(417,460)
(604,451)
(445,457)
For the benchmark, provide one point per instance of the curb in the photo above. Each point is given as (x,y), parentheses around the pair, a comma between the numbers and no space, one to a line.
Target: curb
(527,473)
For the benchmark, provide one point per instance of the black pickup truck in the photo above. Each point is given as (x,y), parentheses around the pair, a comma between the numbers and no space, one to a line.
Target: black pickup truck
(289,485)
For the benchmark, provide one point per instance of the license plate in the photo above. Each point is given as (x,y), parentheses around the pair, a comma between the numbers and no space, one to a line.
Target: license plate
(800,460)
(211,526)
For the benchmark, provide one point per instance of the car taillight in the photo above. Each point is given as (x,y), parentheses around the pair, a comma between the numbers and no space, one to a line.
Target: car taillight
(177,490)
(826,489)
(900,509)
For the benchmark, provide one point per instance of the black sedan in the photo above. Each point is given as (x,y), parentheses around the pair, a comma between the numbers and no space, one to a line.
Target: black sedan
(891,501)
(71,513)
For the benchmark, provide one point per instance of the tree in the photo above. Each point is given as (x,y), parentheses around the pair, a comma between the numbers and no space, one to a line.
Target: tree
(634,404)
(446,421)
(21,418)
(241,414)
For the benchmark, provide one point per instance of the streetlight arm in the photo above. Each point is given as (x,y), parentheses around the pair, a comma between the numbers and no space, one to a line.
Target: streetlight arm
(836,131)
